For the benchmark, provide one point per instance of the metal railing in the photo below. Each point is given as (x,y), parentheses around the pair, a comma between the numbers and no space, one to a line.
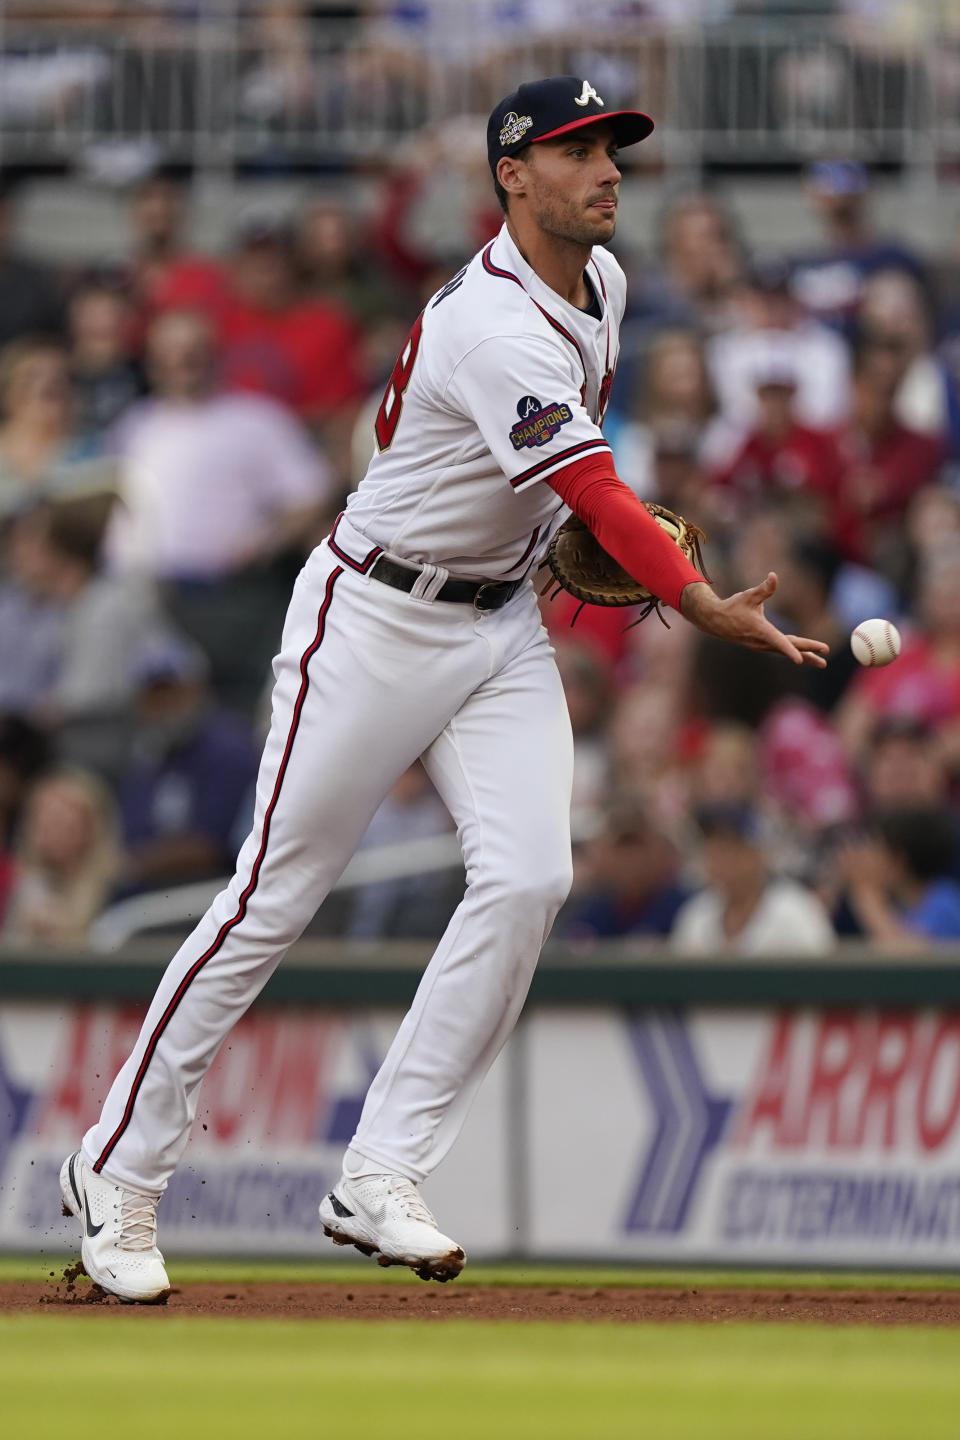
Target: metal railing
(184,904)
(240,90)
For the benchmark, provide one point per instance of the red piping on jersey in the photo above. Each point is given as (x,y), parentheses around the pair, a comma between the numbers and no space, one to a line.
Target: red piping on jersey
(529,550)
(229,925)
(362,566)
(561,331)
(585,447)
(492,269)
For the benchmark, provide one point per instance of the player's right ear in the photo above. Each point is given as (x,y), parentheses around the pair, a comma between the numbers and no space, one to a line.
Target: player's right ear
(512,175)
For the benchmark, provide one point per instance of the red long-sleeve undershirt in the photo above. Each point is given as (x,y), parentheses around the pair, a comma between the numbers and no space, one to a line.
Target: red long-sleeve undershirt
(625,529)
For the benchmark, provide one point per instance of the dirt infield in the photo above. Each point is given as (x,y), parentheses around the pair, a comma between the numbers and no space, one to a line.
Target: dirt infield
(620,1305)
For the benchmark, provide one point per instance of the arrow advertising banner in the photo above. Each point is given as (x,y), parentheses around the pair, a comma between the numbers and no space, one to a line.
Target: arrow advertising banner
(761,1137)
(737,1137)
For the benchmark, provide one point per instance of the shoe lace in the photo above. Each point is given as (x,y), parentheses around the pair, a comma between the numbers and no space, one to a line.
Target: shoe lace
(138,1221)
(413,1202)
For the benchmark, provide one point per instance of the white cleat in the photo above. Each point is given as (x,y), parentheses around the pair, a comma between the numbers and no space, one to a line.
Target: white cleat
(385,1216)
(119,1229)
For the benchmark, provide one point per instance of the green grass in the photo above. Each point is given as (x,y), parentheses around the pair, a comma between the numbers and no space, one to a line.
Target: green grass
(104,1376)
(247,1272)
(102,1381)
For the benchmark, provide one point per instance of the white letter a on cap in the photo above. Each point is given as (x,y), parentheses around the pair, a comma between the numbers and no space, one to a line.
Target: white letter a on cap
(586,95)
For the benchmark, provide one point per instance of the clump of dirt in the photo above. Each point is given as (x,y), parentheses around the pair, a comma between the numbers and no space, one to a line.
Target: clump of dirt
(70,1289)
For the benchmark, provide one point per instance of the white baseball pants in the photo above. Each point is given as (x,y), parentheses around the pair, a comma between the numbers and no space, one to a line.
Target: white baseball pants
(368,679)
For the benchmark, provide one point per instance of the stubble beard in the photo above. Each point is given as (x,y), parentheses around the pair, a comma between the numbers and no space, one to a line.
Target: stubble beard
(572,226)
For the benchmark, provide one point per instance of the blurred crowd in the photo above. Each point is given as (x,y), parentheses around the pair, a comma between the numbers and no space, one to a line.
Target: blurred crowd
(178,429)
(270,83)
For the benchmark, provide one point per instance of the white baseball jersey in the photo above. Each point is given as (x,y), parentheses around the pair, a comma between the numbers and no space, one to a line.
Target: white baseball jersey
(501,384)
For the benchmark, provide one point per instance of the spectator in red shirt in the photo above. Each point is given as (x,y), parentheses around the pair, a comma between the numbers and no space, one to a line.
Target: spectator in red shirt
(164,273)
(780,454)
(302,352)
(885,463)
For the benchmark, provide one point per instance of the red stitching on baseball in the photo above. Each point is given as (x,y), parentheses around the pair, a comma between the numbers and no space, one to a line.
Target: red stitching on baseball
(866,640)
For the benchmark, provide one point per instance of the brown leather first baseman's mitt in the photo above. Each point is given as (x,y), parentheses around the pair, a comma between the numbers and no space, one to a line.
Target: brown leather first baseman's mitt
(580,564)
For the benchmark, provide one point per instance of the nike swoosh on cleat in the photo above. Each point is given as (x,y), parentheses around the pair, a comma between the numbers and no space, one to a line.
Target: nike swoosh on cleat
(92,1230)
(339,1208)
(73,1180)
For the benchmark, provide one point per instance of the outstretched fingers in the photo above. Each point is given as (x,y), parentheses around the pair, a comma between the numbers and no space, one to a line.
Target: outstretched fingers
(811,652)
(775,640)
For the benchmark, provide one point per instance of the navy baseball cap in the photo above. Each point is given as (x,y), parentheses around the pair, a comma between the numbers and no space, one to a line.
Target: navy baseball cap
(543,109)
(838,177)
(730,817)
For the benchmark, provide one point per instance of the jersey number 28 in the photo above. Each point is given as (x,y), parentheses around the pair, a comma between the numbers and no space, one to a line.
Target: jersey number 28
(391,406)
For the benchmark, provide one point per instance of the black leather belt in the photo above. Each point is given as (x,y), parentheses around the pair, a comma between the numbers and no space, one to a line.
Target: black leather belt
(481,594)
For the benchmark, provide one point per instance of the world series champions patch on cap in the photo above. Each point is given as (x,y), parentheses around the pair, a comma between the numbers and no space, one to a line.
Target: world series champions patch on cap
(543,109)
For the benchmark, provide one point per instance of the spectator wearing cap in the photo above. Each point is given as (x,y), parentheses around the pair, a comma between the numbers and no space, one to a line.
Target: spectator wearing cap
(217,489)
(744,910)
(780,454)
(303,353)
(634,886)
(31,295)
(828,282)
(770,321)
(899,882)
(190,777)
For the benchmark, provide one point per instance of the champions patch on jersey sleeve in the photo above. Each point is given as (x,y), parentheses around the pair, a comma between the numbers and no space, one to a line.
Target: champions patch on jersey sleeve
(537,423)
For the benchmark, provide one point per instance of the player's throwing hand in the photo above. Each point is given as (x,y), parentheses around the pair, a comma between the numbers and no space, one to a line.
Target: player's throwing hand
(740,618)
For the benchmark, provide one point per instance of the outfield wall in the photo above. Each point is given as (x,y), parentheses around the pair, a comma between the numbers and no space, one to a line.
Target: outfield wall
(646,1109)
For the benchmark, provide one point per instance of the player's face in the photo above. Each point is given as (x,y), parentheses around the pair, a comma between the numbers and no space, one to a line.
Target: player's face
(573,185)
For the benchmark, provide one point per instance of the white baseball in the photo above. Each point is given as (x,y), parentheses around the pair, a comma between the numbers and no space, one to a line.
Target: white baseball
(875,642)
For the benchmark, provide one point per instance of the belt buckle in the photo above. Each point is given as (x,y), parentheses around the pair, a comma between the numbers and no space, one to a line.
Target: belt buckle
(487,585)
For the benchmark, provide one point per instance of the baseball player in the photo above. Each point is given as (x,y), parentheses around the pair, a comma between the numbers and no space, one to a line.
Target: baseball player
(413,630)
